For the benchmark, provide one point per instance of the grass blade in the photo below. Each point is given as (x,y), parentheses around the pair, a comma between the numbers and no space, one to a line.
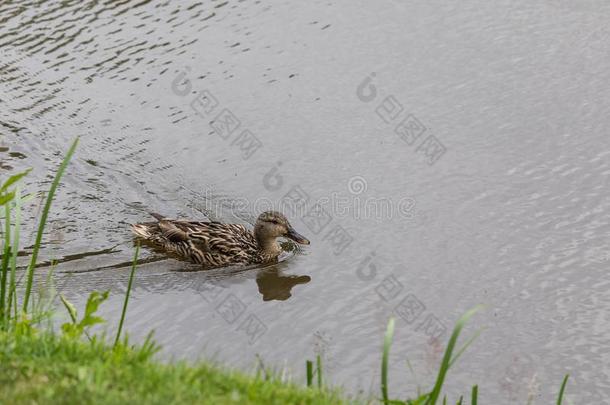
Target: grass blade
(387,343)
(12,283)
(319,370)
(130,282)
(309,366)
(5,198)
(43,220)
(13,179)
(5,256)
(442,373)
(475,395)
(69,307)
(563,387)
(464,347)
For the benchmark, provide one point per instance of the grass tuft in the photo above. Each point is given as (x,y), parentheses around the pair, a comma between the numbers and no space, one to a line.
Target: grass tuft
(447,358)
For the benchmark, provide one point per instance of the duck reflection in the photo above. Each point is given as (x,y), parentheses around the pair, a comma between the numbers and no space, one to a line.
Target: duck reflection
(274,285)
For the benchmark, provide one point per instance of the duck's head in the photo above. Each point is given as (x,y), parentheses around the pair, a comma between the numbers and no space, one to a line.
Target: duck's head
(273,224)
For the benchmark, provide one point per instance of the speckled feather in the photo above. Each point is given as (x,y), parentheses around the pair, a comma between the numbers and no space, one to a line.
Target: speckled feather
(212,244)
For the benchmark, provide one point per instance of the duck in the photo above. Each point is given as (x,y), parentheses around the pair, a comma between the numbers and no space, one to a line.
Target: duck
(216,244)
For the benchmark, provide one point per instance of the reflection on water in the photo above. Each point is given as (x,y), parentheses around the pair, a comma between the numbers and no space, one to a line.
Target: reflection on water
(515,215)
(273,285)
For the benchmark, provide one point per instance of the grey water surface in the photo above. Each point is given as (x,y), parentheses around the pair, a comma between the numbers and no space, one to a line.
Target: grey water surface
(438,155)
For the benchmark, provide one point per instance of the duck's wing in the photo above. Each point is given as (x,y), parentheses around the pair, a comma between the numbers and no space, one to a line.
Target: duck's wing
(216,237)
(172,232)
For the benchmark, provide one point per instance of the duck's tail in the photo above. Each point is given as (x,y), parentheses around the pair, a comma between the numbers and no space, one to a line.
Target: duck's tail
(142,230)
(147,230)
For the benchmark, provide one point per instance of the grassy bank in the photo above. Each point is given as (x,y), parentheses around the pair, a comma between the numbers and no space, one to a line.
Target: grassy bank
(45,368)
(70,366)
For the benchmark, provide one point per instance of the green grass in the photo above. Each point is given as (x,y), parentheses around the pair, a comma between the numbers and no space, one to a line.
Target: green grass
(40,365)
(562,389)
(45,368)
(385,356)
(432,397)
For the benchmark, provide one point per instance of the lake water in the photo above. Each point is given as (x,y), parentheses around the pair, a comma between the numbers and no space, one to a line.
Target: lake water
(438,155)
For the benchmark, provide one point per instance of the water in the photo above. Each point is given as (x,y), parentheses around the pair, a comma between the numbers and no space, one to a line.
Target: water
(513,214)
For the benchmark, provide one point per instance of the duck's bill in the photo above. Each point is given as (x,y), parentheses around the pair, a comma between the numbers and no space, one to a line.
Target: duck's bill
(297,237)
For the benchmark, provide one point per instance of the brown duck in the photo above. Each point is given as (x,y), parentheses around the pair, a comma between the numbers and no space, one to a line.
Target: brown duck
(214,244)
